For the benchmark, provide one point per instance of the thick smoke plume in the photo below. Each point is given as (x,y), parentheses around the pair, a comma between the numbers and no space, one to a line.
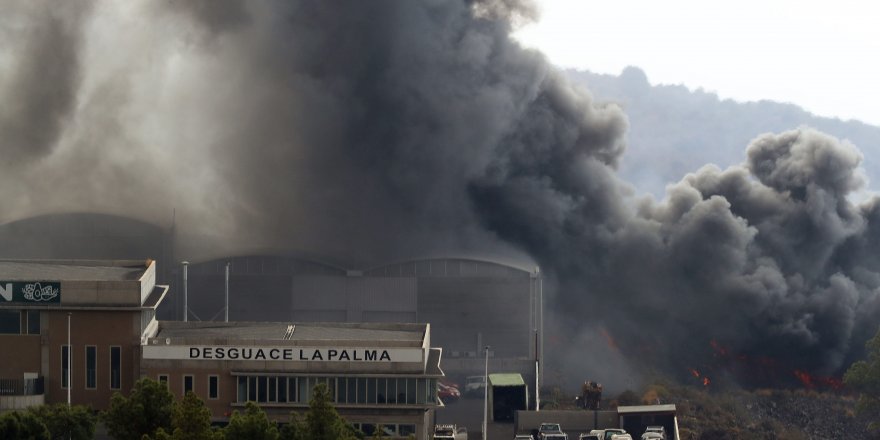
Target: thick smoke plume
(389,129)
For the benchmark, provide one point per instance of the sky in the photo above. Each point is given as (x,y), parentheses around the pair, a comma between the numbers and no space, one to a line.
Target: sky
(822,56)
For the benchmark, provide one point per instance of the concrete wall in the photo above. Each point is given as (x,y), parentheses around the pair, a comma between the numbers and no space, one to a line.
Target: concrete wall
(13,403)
(101,329)
(120,293)
(21,354)
(572,422)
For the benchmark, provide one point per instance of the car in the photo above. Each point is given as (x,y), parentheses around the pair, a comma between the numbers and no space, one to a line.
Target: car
(523,437)
(551,431)
(447,393)
(654,432)
(606,434)
(474,385)
(445,432)
(588,437)
(549,427)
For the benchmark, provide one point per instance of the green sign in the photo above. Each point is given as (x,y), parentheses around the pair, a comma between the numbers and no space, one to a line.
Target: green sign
(30,291)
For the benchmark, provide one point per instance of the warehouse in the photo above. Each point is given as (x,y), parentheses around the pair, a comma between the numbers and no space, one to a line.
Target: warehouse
(471,300)
(75,330)
(379,374)
(72,329)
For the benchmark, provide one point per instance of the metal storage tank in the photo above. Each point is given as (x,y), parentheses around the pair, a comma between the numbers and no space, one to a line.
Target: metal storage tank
(469,303)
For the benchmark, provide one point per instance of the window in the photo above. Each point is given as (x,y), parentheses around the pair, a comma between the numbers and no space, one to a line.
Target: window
(242,389)
(342,390)
(273,386)
(115,368)
(371,390)
(261,391)
(213,387)
(252,388)
(187,383)
(411,391)
(351,396)
(163,378)
(10,322)
(406,430)
(65,366)
(282,389)
(293,389)
(33,322)
(91,367)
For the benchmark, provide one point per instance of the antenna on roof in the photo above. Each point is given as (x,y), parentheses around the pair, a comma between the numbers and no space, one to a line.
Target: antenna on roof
(185,306)
(227,291)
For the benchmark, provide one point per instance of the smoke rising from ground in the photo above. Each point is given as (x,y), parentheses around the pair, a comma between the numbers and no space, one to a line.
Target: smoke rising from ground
(388,129)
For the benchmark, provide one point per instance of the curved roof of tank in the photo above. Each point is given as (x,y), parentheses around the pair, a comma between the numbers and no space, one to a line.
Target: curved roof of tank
(80,235)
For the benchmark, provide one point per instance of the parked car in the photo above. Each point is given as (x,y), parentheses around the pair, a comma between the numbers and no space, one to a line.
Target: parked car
(654,432)
(447,393)
(551,431)
(606,434)
(549,427)
(474,386)
(588,437)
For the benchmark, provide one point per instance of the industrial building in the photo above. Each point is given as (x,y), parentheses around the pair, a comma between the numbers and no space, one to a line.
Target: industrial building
(79,330)
(471,301)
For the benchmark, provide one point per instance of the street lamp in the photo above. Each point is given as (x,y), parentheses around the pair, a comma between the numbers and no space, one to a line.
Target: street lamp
(486,397)
(69,359)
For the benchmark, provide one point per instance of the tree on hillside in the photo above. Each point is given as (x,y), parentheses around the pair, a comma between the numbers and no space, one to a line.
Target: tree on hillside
(864,377)
(69,422)
(148,408)
(23,425)
(253,424)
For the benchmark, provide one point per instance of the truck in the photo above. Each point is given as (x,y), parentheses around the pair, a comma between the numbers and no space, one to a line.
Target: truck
(508,393)
(448,431)
(551,431)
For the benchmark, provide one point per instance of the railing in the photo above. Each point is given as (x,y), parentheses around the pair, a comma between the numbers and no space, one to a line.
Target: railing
(21,387)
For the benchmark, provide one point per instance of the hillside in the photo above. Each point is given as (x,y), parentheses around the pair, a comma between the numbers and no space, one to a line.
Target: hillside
(674,130)
(710,413)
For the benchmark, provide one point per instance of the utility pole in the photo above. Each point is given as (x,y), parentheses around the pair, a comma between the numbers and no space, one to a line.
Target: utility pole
(486,397)
(227,292)
(185,305)
(69,360)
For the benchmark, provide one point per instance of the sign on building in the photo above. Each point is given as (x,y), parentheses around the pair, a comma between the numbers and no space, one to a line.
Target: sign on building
(30,291)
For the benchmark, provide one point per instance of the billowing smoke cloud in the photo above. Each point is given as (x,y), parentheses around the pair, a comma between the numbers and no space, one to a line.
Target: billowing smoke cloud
(390,129)
(764,260)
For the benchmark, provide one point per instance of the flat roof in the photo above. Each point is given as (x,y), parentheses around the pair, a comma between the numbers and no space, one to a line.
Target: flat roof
(403,334)
(506,379)
(642,409)
(72,270)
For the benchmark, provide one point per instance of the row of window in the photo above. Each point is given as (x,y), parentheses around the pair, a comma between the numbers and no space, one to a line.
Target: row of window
(387,429)
(19,322)
(91,367)
(343,390)
(188,384)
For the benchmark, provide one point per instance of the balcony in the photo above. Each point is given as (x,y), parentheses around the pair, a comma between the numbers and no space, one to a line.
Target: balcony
(18,394)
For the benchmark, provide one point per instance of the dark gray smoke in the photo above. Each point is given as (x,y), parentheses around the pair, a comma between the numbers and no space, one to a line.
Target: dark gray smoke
(40,77)
(390,129)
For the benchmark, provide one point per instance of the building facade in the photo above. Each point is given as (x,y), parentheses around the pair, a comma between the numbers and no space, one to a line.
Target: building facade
(380,376)
(71,330)
(77,331)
